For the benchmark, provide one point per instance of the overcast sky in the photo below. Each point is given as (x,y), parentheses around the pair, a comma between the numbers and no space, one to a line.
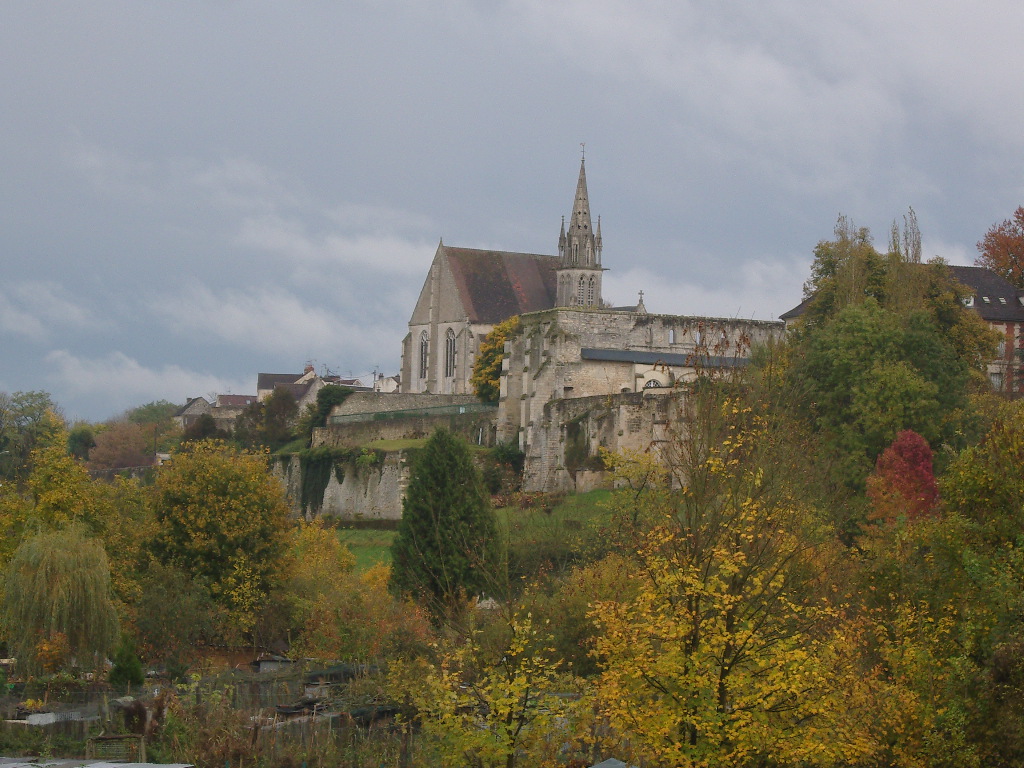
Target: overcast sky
(194,192)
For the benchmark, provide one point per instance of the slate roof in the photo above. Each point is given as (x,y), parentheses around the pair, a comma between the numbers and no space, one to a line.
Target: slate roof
(235,401)
(495,285)
(1003,299)
(271,380)
(1005,302)
(643,357)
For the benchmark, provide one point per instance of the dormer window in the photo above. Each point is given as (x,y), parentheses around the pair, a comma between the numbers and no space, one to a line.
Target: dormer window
(1002,300)
(968,301)
(986,299)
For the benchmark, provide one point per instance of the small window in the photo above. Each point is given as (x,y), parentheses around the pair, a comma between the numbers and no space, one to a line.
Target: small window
(671,335)
(969,301)
(986,299)
(1002,300)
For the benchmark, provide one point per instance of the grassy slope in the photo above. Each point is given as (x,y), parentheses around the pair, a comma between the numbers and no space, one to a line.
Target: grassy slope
(561,523)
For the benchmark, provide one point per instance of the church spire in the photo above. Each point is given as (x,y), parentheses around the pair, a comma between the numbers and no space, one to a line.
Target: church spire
(579,252)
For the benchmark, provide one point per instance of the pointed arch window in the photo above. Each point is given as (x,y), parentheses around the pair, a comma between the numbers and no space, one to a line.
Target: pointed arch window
(424,349)
(590,293)
(449,353)
(575,252)
(580,290)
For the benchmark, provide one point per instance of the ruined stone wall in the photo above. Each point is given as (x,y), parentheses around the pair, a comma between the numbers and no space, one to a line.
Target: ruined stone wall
(365,492)
(564,452)
(544,362)
(477,428)
(378,402)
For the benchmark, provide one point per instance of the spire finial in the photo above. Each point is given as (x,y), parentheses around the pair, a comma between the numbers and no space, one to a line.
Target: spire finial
(583,151)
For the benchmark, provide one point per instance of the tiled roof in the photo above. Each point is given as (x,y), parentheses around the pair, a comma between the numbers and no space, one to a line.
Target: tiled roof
(495,285)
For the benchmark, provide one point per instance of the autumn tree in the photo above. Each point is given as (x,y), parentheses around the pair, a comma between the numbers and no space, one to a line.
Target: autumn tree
(492,702)
(903,483)
(222,516)
(57,589)
(486,376)
(446,547)
(729,653)
(26,418)
(121,444)
(1002,249)
(269,423)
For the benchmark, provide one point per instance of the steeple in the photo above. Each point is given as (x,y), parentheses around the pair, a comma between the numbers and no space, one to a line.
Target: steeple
(579,252)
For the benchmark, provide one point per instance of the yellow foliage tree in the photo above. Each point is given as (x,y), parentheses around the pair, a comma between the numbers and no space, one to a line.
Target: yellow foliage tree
(730,653)
(492,707)
(221,516)
(487,366)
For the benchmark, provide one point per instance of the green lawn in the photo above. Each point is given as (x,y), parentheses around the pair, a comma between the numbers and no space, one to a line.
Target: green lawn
(369,546)
(567,531)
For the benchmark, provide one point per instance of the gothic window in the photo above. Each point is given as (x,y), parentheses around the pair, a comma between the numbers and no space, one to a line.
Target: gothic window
(424,348)
(575,252)
(588,252)
(590,293)
(449,353)
(580,290)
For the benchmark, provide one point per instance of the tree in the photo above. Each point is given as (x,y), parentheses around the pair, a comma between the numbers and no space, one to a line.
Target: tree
(446,547)
(81,439)
(729,653)
(58,583)
(158,412)
(221,516)
(268,423)
(1002,248)
(316,413)
(903,483)
(122,444)
(487,366)
(203,428)
(26,418)
(492,705)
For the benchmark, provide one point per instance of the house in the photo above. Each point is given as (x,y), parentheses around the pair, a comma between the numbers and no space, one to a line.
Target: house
(1000,304)
(302,386)
(189,413)
(996,301)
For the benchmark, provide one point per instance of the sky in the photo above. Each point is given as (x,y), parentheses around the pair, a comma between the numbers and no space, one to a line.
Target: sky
(195,192)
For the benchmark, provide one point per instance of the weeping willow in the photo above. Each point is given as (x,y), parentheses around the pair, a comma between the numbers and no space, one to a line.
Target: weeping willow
(59,582)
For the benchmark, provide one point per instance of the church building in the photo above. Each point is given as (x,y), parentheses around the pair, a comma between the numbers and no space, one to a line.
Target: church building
(468,291)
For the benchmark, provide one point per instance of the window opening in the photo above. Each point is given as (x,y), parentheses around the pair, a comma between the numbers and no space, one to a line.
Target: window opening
(449,353)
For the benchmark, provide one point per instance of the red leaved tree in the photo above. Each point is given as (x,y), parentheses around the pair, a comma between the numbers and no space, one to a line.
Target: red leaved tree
(903,482)
(1002,249)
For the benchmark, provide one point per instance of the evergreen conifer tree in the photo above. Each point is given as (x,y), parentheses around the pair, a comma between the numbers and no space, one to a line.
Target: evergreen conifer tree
(447,545)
